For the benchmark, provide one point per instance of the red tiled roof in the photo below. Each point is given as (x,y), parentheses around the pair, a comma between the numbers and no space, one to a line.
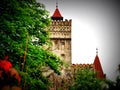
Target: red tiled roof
(57,13)
(98,68)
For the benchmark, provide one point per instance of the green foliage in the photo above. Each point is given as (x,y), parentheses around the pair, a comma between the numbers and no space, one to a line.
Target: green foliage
(21,21)
(114,85)
(85,79)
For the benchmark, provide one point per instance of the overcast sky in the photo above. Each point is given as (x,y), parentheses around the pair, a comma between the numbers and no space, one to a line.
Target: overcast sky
(95,24)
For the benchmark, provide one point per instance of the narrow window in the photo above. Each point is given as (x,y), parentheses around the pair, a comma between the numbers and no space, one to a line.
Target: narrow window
(63,43)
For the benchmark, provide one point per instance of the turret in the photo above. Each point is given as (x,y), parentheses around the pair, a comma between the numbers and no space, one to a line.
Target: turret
(98,67)
(57,15)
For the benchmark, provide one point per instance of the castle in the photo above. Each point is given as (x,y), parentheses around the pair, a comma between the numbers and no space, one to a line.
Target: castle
(60,35)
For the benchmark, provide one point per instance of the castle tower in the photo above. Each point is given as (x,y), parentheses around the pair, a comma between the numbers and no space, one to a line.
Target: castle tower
(60,35)
(98,67)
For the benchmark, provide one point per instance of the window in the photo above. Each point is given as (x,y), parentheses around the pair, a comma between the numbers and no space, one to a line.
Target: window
(63,43)
(63,55)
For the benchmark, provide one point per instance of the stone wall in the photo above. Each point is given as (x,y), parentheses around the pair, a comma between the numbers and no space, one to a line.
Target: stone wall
(67,77)
(60,35)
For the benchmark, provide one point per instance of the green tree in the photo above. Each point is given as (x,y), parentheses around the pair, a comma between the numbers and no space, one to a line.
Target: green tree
(22,35)
(85,79)
(114,85)
(118,79)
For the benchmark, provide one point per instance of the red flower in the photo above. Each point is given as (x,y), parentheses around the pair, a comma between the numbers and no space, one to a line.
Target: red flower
(5,64)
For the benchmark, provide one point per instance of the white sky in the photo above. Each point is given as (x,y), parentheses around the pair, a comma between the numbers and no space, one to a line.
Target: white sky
(95,24)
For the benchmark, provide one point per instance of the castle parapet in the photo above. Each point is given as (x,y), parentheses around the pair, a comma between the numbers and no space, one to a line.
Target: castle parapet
(61,22)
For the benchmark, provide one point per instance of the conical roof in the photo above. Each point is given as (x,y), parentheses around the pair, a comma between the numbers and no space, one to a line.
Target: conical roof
(98,67)
(57,15)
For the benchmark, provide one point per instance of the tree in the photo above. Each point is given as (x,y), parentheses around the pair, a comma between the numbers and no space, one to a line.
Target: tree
(113,85)
(85,79)
(22,35)
(118,79)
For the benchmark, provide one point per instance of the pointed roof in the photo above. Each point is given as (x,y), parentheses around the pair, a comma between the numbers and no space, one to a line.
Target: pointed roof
(98,67)
(57,15)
